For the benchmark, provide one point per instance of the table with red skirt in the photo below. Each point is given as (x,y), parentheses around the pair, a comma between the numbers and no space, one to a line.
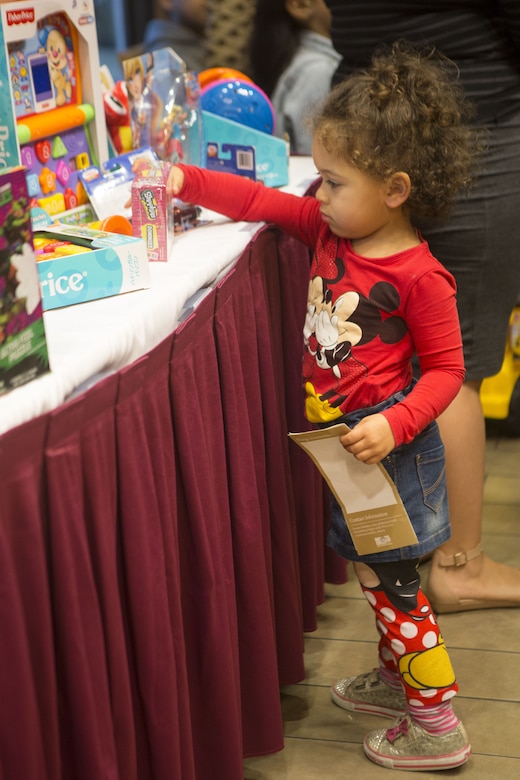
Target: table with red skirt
(163,547)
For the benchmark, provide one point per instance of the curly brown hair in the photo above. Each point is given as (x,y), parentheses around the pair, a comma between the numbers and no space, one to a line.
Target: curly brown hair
(405,113)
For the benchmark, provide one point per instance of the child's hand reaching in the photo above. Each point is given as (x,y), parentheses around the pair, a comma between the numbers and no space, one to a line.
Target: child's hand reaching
(175,181)
(371,440)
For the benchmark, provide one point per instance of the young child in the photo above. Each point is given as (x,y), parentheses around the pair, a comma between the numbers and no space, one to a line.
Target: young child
(389,143)
(301,62)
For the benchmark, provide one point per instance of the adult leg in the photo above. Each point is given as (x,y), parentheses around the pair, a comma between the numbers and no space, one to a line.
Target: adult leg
(461,576)
(479,245)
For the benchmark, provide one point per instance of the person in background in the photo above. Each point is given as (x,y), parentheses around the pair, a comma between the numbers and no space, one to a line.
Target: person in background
(389,144)
(293,61)
(205,33)
(228,31)
(478,244)
(179,24)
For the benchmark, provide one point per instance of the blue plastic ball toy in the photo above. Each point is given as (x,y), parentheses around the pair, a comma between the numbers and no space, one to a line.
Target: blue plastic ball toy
(240,101)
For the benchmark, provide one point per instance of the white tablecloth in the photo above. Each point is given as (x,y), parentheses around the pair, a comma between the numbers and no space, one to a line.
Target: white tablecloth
(90,340)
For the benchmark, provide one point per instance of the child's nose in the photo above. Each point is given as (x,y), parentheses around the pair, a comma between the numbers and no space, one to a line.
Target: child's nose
(320,194)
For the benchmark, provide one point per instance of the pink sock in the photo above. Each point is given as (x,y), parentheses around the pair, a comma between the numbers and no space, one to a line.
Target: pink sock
(437,719)
(391,678)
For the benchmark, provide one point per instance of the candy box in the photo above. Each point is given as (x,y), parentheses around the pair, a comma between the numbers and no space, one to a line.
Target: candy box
(23,347)
(77,264)
(152,211)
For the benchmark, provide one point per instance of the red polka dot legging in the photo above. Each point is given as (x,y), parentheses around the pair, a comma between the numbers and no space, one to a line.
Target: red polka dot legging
(410,641)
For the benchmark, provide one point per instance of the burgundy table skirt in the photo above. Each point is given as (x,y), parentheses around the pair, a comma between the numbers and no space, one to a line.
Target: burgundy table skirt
(162,549)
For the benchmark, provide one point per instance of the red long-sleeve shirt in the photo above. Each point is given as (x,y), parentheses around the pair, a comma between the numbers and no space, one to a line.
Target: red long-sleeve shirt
(365,316)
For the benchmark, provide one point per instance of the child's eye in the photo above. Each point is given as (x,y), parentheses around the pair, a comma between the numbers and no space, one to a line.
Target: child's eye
(331,184)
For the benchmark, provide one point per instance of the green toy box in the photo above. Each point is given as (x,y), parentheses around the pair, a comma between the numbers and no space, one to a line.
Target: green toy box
(23,347)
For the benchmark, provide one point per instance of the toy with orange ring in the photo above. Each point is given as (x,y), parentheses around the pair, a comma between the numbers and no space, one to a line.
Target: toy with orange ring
(116,223)
(210,75)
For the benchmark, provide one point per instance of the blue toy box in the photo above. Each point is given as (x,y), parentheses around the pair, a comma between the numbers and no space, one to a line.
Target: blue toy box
(271,154)
(111,264)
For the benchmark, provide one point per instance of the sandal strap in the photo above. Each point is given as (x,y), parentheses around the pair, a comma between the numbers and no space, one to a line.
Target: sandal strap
(460,558)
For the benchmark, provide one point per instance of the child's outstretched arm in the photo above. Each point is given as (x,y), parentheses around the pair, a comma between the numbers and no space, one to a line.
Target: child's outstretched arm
(240,198)
(175,181)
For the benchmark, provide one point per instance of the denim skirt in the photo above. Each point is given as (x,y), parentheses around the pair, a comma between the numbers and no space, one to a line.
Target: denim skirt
(418,470)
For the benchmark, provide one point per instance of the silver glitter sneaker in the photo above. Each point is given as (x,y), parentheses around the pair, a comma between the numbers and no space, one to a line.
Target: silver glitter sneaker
(408,746)
(368,693)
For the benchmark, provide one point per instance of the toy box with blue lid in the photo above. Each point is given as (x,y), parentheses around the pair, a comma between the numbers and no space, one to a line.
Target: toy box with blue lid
(55,119)
(77,264)
(23,346)
(238,125)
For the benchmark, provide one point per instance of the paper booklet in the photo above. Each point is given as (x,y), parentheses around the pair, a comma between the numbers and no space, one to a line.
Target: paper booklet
(373,511)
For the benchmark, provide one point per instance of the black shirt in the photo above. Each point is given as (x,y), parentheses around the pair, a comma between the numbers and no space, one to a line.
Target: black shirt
(481,36)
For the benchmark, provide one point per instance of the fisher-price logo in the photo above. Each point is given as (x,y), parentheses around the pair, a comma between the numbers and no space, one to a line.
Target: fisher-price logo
(20,16)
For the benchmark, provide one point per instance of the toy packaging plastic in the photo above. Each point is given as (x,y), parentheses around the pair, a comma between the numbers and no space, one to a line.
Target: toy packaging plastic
(109,187)
(23,347)
(164,106)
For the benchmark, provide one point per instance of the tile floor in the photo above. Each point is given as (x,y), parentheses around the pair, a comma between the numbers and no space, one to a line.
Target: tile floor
(323,742)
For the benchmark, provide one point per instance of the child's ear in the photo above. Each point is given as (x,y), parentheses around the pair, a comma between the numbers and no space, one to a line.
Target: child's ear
(399,187)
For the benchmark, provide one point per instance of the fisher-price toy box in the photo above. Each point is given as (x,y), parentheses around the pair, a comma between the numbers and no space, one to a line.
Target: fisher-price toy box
(98,265)
(23,346)
(52,119)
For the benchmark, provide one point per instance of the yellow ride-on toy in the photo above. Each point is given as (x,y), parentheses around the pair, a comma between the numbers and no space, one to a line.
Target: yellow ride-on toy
(500,394)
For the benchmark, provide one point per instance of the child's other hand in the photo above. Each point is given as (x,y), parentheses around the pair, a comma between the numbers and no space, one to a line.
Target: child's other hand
(175,181)
(371,440)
